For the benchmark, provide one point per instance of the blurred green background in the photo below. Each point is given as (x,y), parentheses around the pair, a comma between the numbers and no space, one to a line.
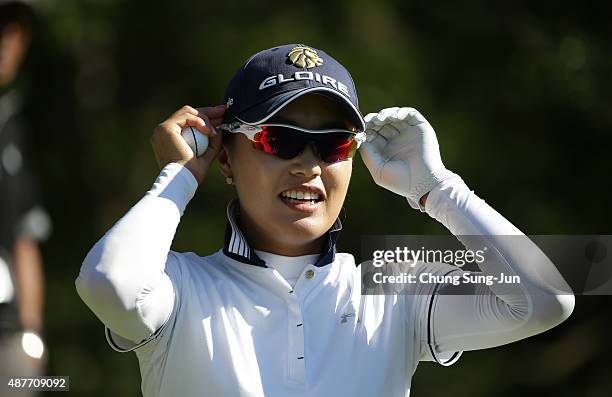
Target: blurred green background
(518,92)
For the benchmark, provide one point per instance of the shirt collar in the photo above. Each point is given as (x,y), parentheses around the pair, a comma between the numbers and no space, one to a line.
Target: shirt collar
(237,247)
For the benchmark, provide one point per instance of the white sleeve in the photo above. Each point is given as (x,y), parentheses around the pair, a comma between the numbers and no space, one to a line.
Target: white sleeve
(123,278)
(494,315)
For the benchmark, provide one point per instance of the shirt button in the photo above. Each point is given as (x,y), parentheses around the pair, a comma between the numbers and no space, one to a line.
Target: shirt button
(309,274)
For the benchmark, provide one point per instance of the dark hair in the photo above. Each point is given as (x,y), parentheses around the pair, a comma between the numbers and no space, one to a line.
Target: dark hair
(16,12)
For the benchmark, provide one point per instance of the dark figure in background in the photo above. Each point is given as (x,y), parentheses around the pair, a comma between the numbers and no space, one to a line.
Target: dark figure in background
(23,221)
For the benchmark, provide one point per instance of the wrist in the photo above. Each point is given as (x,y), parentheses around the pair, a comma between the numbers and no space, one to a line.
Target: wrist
(423,199)
(418,198)
(437,199)
(175,183)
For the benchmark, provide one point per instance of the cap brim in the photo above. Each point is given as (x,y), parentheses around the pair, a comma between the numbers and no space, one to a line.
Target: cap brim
(262,112)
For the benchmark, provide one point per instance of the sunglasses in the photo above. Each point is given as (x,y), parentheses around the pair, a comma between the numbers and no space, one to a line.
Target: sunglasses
(287,141)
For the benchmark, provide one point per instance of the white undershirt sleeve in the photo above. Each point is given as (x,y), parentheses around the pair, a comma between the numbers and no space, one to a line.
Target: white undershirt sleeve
(122,278)
(497,314)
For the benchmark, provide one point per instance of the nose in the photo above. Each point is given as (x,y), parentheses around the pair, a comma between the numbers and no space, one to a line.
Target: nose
(306,164)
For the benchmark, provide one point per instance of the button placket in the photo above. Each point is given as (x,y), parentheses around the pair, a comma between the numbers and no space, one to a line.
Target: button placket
(295,328)
(297,357)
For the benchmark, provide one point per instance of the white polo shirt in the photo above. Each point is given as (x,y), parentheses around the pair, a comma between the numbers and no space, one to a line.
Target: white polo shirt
(229,325)
(238,328)
(241,330)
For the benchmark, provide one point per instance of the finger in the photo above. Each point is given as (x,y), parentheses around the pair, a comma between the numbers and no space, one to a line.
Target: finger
(389,131)
(214,146)
(411,116)
(377,140)
(408,115)
(210,125)
(383,115)
(371,133)
(185,109)
(371,157)
(217,121)
(370,126)
(181,119)
(210,111)
(198,123)
(369,117)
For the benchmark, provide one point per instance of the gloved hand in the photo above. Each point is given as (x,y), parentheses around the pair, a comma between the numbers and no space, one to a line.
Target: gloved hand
(402,154)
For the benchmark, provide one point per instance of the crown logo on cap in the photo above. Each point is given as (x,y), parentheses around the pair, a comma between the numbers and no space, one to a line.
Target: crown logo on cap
(304,57)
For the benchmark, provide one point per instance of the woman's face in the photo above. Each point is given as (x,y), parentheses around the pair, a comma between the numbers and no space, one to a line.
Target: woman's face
(275,223)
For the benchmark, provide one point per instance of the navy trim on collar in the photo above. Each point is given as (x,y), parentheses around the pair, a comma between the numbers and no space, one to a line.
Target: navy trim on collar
(237,247)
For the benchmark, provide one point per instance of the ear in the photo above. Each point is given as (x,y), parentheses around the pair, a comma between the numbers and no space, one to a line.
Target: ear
(224,162)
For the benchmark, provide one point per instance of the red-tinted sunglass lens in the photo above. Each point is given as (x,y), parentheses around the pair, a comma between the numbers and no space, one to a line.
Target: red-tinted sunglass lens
(336,146)
(282,142)
(286,143)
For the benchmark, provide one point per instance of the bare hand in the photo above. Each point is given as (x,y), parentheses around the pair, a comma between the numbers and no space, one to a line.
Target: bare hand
(170,147)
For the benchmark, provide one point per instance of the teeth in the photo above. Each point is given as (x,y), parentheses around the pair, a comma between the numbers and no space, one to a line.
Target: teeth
(300,195)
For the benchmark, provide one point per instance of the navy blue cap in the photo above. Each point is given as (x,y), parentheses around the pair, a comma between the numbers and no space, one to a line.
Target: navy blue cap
(272,78)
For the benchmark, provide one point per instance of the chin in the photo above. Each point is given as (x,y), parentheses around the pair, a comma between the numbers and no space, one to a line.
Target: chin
(302,231)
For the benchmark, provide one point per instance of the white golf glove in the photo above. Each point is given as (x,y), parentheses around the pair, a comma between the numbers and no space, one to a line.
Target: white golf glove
(402,153)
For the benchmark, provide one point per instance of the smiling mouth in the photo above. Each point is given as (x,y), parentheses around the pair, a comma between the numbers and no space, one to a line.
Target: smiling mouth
(296,196)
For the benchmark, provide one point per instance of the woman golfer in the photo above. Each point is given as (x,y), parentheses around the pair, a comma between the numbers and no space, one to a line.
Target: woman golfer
(277,311)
